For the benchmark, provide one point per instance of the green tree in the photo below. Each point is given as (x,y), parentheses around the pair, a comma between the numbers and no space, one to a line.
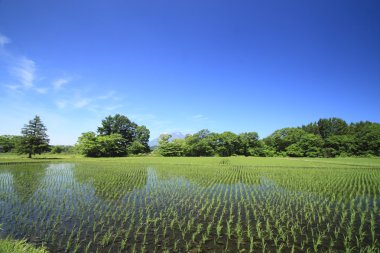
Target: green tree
(227,144)
(142,137)
(283,138)
(249,143)
(88,145)
(295,142)
(137,148)
(59,149)
(8,143)
(262,150)
(170,148)
(34,138)
(311,128)
(199,144)
(103,145)
(367,138)
(331,126)
(119,124)
(309,145)
(129,131)
(111,145)
(294,150)
(339,145)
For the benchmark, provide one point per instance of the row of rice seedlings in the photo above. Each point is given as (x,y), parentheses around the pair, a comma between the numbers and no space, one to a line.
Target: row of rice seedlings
(252,209)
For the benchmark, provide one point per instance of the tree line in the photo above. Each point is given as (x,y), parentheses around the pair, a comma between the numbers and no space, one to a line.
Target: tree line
(325,138)
(119,136)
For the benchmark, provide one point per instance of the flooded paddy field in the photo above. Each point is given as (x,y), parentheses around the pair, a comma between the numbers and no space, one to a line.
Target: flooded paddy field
(191,206)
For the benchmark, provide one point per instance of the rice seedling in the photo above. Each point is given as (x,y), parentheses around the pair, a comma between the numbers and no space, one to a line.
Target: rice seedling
(131,205)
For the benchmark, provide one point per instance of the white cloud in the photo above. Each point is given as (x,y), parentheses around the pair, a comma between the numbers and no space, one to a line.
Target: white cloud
(24,72)
(156,124)
(41,90)
(81,102)
(107,96)
(61,104)
(112,108)
(74,99)
(75,102)
(199,117)
(143,117)
(22,80)
(150,119)
(4,40)
(58,83)
(21,70)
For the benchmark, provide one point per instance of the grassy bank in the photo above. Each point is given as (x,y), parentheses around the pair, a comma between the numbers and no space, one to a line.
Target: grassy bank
(236,160)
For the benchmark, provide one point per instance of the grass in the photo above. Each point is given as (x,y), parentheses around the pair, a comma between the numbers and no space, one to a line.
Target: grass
(12,246)
(154,204)
(236,160)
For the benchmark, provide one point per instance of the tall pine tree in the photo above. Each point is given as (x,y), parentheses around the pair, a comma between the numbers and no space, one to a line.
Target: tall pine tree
(34,138)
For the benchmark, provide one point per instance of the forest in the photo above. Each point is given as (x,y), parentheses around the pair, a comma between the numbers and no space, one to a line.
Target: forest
(325,138)
(119,136)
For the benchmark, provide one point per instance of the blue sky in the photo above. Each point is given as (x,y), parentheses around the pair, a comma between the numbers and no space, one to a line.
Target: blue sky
(187,65)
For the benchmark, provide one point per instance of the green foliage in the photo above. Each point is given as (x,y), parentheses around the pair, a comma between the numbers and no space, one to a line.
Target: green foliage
(331,126)
(92,145)
(89,145)
(199,144)
(112,145)
(294,150)
(311,145)
(339,145)
(118,136)
(249,144)
(328,138)
(118,124)
(281,139)
(167,148)
(137,147)
(34,138)
(62,149)
(8,143)
(262,150)
(226,144)
(13,246)
(142,138)
(206,143)
(367,138)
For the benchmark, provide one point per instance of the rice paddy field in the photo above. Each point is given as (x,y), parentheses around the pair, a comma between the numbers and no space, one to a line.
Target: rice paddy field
(150,204)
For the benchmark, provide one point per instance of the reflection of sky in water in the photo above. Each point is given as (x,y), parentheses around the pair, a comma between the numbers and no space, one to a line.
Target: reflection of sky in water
(63,197)
(59,183)
(60,189)
(6,193)
(6,184)
(57,193)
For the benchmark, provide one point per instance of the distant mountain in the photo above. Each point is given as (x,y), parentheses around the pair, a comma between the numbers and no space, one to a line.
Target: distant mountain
(175,135)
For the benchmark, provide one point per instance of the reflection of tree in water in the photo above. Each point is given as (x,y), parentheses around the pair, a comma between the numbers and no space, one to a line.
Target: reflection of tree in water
(27,179)
(111,181)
